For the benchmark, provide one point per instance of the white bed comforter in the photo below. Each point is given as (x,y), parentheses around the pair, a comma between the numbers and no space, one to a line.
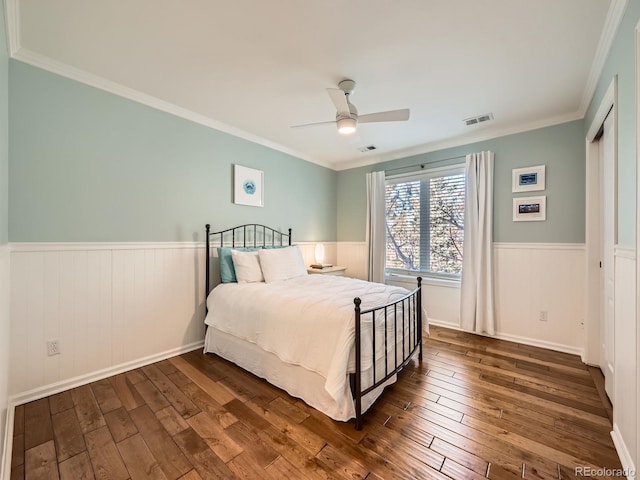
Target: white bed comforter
(307,321)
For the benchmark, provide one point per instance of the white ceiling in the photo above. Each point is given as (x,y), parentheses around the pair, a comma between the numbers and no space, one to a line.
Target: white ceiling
(256,67)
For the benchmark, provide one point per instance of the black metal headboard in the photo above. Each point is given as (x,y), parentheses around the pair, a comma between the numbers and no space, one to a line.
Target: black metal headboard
(249,235)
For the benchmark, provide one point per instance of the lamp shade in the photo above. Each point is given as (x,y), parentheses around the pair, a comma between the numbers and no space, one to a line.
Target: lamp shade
(346,126)
(319,253)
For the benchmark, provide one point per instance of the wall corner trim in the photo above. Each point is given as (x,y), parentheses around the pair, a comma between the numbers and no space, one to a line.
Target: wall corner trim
(539,246)
(623,452)
(45,63)
(5,466)
(624,252)
(19,247)
(611,25)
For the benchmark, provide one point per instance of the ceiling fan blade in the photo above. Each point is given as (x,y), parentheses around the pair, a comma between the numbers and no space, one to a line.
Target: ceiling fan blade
(332,122)
(390,116)
(339,99)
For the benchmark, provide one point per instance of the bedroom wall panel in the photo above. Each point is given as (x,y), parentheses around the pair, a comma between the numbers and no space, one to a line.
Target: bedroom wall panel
(88,165)
(625,415)
(110,306)
(309,252)
(440,299)
(353,255)
(536,278)
(530,278)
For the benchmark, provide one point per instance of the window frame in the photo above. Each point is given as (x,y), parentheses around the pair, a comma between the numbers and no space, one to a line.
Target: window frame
(427,174)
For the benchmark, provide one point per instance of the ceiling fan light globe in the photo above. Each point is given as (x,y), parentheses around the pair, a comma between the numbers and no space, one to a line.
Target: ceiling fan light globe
(346,126)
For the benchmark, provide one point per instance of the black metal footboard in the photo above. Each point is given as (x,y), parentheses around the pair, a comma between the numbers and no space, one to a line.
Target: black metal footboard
(405,313)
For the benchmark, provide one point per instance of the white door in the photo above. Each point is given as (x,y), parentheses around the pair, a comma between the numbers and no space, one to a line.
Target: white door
(608,222)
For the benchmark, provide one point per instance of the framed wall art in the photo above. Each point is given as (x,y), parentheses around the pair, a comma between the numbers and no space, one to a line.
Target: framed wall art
(248,186)
(528,179)
(530,209)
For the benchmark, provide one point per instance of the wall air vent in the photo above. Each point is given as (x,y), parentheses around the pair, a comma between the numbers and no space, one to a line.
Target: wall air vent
(479,119)
(367,148)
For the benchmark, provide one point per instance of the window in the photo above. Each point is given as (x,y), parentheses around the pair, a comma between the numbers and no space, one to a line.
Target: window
(425,222)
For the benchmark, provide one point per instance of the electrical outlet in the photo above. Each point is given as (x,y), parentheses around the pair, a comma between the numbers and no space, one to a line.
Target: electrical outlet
(53,347)
(543,316)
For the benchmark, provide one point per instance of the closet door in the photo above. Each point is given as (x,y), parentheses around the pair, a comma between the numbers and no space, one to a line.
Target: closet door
(608,222)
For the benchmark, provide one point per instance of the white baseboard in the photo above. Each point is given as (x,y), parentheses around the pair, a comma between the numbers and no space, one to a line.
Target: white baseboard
(442,323)
(52,389)
(623,452)
(558,347)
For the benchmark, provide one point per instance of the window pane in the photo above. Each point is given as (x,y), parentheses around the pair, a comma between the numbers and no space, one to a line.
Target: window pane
(425,223)
(403,225)
(446,215)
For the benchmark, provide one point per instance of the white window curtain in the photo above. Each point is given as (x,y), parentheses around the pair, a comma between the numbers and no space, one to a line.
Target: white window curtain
(376,221)
(477,302)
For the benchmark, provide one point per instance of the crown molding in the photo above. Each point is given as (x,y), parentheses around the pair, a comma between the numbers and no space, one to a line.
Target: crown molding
(459,141)
(17,52)
(41,61)
(12,21)
(611,25)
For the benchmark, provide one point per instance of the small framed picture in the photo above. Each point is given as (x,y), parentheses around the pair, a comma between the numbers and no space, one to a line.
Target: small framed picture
(530,209)
(529,179)
(248,186)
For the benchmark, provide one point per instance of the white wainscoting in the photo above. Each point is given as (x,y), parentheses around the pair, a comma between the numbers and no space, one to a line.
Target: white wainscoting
(530,277)
(353,255)
(441,299)
(110,306)
(534,277)
(5,410)
(625,414)
(309,252)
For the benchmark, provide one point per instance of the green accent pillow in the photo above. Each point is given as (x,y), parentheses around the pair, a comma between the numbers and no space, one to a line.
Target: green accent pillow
(267,247)
(227,272)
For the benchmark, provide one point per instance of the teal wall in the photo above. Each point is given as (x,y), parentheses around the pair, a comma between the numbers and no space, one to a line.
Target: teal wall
(87,165)
(560,147)
(4,132)
(622,62)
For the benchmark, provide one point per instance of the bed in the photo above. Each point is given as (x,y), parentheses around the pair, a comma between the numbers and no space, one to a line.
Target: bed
(334,342)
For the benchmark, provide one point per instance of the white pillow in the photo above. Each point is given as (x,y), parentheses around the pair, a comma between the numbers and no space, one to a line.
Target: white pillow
(247,266)
(281,263)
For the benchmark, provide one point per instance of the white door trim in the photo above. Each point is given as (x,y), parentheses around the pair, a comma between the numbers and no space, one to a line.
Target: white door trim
(592,224)
(637,32)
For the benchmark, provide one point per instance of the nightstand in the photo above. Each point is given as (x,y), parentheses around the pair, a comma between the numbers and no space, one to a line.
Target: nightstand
(337,271)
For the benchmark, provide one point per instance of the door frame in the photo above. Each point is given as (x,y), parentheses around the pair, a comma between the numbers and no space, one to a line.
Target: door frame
(637,38)
(592,340)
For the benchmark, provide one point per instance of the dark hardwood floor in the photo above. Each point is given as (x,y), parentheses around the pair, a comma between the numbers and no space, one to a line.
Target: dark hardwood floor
(475,408)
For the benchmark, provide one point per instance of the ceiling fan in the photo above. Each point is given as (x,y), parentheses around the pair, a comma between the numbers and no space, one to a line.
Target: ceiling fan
(347,117)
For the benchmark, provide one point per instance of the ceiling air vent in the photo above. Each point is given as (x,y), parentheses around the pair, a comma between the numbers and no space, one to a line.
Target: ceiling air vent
(367,148)
(479,119)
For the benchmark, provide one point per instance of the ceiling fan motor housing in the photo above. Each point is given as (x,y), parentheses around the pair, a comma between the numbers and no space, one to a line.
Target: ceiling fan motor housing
(347,114)
(347,86)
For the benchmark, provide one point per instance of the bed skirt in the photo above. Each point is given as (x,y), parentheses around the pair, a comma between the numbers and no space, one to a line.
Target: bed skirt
(297,381)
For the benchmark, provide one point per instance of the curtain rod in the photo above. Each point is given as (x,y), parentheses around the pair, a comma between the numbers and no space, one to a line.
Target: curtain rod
(424,164)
